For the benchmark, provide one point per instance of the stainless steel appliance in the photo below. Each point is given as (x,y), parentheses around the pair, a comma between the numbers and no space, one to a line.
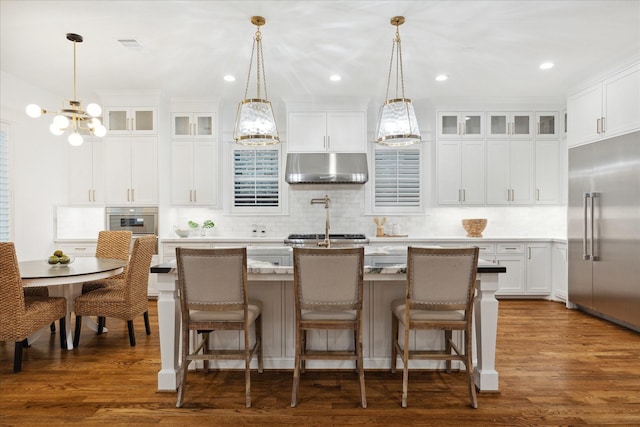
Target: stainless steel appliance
(336,240)
(323,168)
(604,229)
(139,220)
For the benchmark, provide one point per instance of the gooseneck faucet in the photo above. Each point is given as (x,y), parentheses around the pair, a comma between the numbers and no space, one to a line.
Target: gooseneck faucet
(325,200)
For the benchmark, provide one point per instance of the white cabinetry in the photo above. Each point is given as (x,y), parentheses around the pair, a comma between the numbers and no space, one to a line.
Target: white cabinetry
(511,256)
(86,179)
(509,124)
(559,261)
(538,268)
(131,120)
(608,108)
(333,131)
(131,170)
(547,172)
(510,172)
(455,125)
(193,125)
(461,172)
(194,167)
(547,124)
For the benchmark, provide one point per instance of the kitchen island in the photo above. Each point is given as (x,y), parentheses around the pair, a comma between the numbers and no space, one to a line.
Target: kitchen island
(273,285)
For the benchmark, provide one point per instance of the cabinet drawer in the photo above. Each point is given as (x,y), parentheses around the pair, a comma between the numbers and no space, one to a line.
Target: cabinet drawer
(169,249)
(485,248)
(510,248)
(80,249)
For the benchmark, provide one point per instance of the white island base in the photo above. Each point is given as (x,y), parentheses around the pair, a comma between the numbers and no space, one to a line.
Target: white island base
(274,287)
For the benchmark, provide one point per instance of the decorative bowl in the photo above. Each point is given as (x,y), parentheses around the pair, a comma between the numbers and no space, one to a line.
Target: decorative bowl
(59,264)
(182,232)
(474,227)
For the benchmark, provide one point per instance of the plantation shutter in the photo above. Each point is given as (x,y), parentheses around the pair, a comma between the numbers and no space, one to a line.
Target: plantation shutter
(397,177)
(255,178)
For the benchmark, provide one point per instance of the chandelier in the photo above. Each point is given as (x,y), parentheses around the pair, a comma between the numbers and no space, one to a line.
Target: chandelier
(397,124)
(255,123)
(72,117)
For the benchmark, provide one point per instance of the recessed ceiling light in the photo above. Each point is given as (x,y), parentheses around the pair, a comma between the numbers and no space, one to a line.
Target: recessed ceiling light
(442,77)
(546,65)
(335,78)
(229,78)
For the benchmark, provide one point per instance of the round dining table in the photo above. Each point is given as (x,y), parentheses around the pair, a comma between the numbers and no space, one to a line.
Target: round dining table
(69,278)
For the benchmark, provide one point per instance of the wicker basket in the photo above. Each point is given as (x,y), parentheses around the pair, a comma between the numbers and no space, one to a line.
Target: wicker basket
(474,227)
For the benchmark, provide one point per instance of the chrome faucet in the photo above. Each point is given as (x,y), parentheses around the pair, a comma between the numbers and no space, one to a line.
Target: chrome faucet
(325,200)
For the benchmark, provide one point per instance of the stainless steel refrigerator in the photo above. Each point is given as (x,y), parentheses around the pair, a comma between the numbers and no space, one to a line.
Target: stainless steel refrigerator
(604,229)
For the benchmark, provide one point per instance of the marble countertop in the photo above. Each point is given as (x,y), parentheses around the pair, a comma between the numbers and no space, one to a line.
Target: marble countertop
(263,267)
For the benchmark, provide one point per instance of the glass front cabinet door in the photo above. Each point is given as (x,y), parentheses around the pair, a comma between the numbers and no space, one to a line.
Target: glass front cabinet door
(547,125)
(510,125)
(192,125)
(454,125)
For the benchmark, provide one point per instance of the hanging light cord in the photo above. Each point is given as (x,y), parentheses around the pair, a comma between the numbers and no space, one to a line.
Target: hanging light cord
(399,70)
(257,40)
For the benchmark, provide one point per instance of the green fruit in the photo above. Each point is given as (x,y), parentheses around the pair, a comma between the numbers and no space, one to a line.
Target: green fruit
(53,259)
(58,253)
(65,259)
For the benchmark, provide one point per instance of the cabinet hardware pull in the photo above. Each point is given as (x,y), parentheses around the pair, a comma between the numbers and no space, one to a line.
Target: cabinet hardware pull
(79,249)
(89,195)
(190,195)
(537,194)
(195,196)
(464,195)
(529,252)
(598,126)
(513,195)
(133,195)
(328,142)
(603,125)
(94,195)
(128,194)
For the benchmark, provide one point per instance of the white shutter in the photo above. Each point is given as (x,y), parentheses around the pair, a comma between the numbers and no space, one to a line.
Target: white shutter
(397,178)
(255,178)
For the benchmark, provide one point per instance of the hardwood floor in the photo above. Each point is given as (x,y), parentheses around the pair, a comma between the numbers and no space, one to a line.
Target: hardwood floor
(556,366)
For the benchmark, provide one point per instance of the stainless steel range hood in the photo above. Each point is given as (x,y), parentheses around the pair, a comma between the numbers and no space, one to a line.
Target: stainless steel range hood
(329,168)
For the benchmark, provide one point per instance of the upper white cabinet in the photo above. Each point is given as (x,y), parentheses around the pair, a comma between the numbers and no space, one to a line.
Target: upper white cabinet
(605,109)
(461,172)
(547,125)
(510,124)
(131,170)
(456,125)
(86,182)
(193,125)
(547,175)
(194,166)
(510,172)
(131,120)
(331,131)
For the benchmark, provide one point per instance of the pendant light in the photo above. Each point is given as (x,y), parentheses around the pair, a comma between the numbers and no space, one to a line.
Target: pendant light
(255,123)
(397,124)
(72,117)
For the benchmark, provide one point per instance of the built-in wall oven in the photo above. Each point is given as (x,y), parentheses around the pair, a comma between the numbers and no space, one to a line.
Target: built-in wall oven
(141,221)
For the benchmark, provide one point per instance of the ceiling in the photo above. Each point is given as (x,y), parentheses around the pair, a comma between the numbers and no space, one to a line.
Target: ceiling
(487,48)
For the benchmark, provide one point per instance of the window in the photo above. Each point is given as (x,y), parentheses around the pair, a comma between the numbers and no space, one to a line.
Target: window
(397,186)
(256,180)
(5,209)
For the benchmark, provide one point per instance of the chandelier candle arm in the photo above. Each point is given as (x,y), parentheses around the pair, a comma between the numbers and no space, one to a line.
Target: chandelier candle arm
(255,124)
(71,116)
(397,123)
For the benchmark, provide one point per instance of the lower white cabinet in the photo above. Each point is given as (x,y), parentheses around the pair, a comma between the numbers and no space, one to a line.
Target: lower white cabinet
(559,264)
(511,256)
(538,268)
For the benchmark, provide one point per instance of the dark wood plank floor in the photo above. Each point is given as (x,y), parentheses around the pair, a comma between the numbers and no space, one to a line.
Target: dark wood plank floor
(557,367)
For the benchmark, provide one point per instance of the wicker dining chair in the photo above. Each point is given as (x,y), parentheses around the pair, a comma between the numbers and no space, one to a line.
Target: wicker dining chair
(126,300)
(440,293)
(21,316)
(213,297)
(328,292)
(111,244)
